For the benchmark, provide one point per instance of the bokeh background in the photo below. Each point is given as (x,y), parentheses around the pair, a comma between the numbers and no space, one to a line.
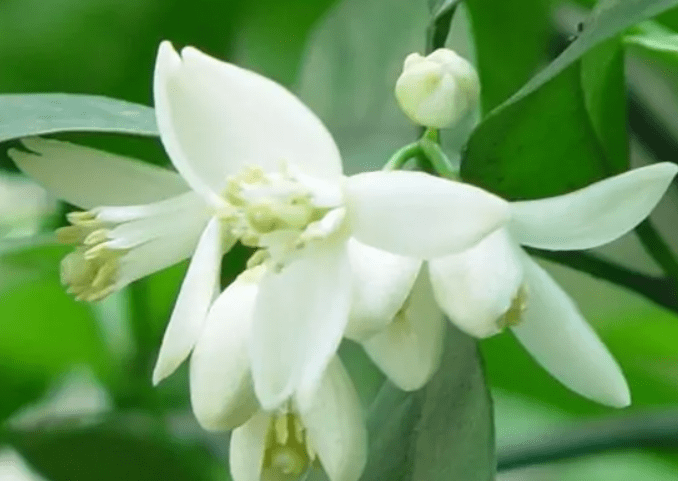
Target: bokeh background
(76,401)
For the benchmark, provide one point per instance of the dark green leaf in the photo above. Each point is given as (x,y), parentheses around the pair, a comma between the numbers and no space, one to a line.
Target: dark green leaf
(130,450)
(512,41)
(38,114)
(608,19)
(602,78)
(547,136)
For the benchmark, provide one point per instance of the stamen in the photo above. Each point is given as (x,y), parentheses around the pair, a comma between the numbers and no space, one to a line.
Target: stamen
(286,453)
(513,316)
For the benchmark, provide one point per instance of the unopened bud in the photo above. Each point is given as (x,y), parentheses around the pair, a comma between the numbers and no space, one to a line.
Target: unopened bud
(437,90)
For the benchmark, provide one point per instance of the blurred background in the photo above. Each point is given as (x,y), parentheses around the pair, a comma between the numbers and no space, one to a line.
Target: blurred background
(77,402)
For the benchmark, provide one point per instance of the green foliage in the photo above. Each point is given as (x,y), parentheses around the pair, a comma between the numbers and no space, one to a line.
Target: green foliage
(444,431)
(39,114)
(128,449)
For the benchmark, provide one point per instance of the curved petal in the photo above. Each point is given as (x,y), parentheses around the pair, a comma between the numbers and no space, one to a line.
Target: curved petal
(594,215)
(476,287)
(246,451)
(335,426)
(299,319)
(215,118)
(175,240)
(197,291)
(89,177)
(222,393)
(409,349)
(419,215)
(557,336)
(381,283)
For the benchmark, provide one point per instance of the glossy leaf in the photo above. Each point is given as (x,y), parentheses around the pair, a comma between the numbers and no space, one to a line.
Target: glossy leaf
(38,114)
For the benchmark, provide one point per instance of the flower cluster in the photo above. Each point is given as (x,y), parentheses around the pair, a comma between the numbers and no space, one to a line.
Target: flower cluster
(378,257)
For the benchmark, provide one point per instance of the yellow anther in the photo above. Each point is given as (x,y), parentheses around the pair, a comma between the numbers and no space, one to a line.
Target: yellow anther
(233,192)
(71,234)
(96,237)
(514,315)
(262,218)
(253,174)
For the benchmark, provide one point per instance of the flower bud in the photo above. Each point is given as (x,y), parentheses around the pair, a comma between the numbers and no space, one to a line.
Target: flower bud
(437,90)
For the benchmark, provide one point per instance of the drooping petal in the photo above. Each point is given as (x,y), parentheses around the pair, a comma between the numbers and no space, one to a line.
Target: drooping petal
(594,215)
(246,451)
(216,118)
(222,393)
(419,215)
(335,426)
(477,286)
(562,342)
(299,319)
(89,177)
(381,283)
(195,296)
(408,350)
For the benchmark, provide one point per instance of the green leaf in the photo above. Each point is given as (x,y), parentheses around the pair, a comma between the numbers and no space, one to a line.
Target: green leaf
(548,137)
(603,83)
(129,449)
(608,19)
(39,114)
(512,41)
(442,432)
(555,128)
(655,41)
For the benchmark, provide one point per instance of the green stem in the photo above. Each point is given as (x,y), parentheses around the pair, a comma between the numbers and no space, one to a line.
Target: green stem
(641,430)
(440,162)
(402,155)
(661,290)
(656,246)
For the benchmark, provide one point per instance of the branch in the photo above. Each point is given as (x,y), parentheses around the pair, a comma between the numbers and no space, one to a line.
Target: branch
(661,290)
(642,430)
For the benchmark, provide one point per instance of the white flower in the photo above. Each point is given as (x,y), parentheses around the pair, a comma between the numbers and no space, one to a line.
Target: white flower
(437,90)
(255,166)
(495,284)
(269,444)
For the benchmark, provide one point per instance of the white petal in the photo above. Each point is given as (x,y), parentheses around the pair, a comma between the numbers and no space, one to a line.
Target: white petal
(195,296)
(335,425)
(246,451)
(216,118)
(222,393)
(381,283)
(409,349)
(557,336)
(594,215)
(477,286)
(299,319)
(89,177)
(419,215)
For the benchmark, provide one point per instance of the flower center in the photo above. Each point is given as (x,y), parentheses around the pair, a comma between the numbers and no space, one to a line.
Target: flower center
(287,454)
(278,213)
(514,314)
